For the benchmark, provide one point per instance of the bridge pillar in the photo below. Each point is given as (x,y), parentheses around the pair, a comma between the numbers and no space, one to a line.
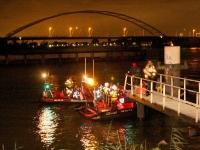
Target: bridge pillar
(172,68)
(140,110)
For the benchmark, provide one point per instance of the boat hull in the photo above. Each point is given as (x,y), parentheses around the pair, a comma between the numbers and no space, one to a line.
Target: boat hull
(114,114)
(102,112)
(59,97)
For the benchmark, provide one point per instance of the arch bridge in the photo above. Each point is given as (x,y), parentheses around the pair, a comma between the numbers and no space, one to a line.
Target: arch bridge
(153,31)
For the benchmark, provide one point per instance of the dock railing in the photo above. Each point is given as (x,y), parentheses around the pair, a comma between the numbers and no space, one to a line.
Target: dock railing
(176,88)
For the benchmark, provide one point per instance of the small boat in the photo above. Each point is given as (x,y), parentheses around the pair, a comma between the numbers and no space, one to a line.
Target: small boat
(123,107)
(59,96)
(75,94)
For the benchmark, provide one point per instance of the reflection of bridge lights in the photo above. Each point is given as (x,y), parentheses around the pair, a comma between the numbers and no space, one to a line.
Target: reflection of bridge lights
(47,126)
(88,140)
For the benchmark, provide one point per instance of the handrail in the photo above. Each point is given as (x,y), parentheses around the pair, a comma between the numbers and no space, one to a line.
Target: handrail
(174,93)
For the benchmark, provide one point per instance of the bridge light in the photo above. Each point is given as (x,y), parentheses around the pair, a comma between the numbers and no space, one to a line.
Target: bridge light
(125,31)
(193,32)
(71,31)
(89,31)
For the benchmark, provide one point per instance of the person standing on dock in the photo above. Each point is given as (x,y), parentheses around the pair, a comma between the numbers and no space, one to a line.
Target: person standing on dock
(150,70)
(149,73)
(135,71)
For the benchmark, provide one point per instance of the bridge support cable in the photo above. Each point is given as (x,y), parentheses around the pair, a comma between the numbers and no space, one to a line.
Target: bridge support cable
(153,31)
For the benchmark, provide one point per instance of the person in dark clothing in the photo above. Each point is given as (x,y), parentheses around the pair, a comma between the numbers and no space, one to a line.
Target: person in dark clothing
(135,71)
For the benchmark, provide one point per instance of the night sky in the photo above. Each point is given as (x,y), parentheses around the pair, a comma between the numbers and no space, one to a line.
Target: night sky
(171,17)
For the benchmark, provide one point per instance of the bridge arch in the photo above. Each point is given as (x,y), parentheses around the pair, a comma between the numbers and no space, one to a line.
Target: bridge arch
(153,31)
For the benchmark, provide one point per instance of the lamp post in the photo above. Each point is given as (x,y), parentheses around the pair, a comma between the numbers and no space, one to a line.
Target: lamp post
(125,32)
(89,31)
(79,31)
(50,32)
(193,32)
(70,31)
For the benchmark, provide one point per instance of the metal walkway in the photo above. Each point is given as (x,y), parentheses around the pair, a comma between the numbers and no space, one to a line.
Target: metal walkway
(179,98)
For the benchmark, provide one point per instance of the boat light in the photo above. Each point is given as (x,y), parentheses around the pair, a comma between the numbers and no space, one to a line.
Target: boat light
(90,81)
(44,75)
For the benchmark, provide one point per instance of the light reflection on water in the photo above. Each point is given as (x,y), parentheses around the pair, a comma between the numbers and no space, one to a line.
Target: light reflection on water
(47,125)
(88,140)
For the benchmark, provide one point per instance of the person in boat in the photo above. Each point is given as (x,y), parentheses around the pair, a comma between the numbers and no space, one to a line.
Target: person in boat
(106,92)
(77,93)
(98,92)
(69,86)
(114,97)
(149,73)
(120,91)
(135,71)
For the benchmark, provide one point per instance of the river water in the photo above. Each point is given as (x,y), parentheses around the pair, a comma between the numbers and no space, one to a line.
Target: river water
(27,124)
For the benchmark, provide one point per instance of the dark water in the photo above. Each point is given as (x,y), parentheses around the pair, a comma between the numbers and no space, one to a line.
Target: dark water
(27,123)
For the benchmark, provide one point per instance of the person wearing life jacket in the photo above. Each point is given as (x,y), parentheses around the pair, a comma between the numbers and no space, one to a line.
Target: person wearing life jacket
(149,73)
(69,86)
(150,70)
(114,97)
(113,93)
(106,93)
(106,89)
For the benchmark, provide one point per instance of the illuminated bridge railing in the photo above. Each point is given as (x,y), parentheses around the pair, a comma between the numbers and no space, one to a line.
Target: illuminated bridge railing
(168,90)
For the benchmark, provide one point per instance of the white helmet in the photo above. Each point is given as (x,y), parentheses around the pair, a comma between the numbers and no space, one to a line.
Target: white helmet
(106,84)
(114,87)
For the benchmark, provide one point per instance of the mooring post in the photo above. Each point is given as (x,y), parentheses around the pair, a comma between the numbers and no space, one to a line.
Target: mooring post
(172,68)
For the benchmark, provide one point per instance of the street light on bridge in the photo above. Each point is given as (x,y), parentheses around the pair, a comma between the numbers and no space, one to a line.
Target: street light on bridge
(193,32)
(71,31)
(125,31)
(89,31)
(50,32)
(79,31)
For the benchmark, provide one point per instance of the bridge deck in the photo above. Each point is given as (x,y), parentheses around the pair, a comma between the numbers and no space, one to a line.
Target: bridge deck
(172,106)
(188,112)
